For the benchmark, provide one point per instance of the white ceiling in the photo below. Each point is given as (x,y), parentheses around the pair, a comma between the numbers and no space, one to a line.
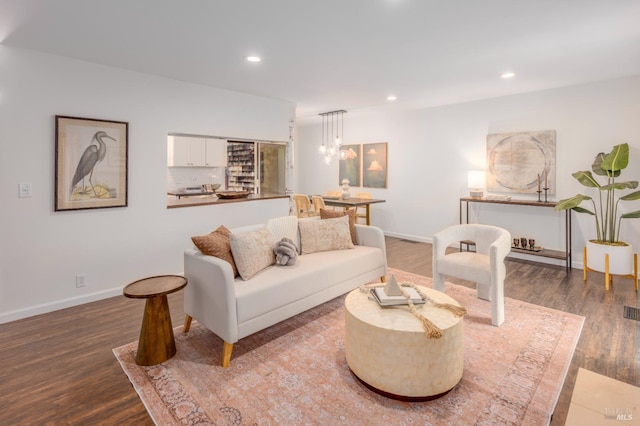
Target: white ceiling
(343,54)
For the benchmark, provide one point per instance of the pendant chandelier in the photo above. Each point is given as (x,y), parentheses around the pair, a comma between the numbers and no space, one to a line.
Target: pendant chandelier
(332,135)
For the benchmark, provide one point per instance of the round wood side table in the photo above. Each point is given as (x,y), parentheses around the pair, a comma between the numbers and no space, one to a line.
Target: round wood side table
(156,342)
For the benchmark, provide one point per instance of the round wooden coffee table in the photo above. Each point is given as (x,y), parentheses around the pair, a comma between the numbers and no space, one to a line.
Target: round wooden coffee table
(388,350)
(156,342)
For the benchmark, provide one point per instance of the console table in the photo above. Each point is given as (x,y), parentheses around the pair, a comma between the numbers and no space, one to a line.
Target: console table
(554,254)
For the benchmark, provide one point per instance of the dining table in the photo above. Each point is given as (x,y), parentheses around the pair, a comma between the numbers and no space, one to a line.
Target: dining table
(349,203)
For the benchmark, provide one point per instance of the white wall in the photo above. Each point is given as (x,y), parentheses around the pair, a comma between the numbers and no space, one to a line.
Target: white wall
(431,150)
(42,250)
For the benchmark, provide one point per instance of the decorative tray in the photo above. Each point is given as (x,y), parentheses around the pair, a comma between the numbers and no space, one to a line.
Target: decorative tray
(227,195)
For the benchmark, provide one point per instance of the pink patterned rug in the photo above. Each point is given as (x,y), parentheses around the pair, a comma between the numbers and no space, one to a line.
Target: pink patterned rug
(295,372)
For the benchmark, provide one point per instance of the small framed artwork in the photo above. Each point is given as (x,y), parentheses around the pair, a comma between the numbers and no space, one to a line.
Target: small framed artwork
(351,164)
(374,165)
(91,163)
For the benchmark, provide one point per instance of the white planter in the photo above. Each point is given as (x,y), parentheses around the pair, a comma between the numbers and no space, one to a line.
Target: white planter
(620,258)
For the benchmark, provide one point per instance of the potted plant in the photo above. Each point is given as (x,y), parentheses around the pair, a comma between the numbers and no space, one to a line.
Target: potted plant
(605,210)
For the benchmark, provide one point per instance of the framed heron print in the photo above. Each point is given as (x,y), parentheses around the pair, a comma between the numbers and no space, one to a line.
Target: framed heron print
(91,163)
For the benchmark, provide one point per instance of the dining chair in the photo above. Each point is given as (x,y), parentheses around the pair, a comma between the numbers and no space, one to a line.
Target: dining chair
(303,206)
(361,212)
(318,203)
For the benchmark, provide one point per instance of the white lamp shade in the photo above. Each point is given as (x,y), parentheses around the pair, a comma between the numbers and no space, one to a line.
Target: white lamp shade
(476,182)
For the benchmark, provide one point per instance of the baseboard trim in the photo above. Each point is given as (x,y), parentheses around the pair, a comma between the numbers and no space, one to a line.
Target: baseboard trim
(57,305)
(409,237)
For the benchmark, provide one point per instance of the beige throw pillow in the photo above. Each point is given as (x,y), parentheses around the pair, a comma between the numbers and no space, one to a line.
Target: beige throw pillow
(325,235)
(330,214)
(252,252)
(284,227)
(217,244)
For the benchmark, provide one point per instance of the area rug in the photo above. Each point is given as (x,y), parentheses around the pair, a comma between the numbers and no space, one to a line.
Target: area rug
(295,372)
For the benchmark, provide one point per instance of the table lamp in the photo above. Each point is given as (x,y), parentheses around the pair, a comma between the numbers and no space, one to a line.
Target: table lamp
(476,183)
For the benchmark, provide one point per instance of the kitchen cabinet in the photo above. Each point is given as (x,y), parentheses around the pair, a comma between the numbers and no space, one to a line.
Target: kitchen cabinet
(215,152)
(186,151)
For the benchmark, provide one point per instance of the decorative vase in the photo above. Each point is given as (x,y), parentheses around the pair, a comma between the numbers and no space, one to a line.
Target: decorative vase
(345,189)
(620,257)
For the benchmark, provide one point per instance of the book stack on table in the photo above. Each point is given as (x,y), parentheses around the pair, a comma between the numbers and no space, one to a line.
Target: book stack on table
(383,300)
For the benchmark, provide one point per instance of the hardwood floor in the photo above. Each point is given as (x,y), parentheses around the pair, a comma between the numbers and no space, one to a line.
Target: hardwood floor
(58,368)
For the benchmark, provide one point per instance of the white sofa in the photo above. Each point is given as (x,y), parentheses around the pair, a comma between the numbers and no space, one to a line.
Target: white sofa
(232,308)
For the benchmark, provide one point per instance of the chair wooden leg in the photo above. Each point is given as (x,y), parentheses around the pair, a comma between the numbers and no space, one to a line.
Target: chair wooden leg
(187,324)
(226,354)
(383,279)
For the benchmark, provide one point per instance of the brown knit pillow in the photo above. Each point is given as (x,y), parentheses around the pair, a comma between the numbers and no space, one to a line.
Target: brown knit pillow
(331,214)
(217,243)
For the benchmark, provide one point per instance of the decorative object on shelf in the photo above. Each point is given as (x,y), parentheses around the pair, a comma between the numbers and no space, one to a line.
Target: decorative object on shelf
(374,165)
(532,243)
(605,249)
(332,135)
(518,161)
(345,189)
(91,163)
(476,183)
(210,187)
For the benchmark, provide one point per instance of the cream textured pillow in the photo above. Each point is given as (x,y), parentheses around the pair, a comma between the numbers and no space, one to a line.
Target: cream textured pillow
(330,214)
(217,244)
(284,227)
(324,235)
(252,252)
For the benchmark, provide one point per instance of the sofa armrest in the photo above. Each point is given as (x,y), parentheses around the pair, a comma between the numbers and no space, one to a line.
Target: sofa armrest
(372,236)
(210,295)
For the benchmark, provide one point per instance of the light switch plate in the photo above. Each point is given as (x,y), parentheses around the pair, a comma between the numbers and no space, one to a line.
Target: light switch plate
(24,190)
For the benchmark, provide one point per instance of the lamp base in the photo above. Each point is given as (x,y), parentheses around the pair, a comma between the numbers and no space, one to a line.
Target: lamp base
(476,193)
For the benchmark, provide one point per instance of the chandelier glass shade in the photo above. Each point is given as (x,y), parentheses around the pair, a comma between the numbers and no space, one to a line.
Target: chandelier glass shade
(332,135)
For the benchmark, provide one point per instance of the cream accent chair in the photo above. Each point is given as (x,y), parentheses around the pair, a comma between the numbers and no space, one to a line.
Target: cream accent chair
(485,266)
(303,205)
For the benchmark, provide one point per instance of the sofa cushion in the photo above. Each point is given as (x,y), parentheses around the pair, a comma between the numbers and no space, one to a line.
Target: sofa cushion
(217,243)
(330,214)
(277,287)
(252,251)
(284,227)
(324,235)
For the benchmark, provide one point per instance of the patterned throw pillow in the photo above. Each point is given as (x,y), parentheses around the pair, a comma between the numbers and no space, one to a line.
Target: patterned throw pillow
(325,235)
(330,214)
(217,243)
(252,252)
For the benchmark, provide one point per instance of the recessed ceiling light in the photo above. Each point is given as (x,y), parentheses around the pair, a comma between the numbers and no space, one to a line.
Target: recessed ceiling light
(391,98)
(253,58)
(507,75)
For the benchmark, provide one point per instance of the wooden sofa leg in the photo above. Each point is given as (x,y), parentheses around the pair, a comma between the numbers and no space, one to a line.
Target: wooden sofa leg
(226,354)
(383,279)
(187,324)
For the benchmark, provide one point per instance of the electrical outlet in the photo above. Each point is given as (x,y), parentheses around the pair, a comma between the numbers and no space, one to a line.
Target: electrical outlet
(24,190)
(81,280)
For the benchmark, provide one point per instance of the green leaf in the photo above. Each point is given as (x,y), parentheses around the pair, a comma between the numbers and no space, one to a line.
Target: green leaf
(620,185)
(583,210)
(586,178)
(617,159)
(597,165)
(632,196)
(572,202)
(631,215)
